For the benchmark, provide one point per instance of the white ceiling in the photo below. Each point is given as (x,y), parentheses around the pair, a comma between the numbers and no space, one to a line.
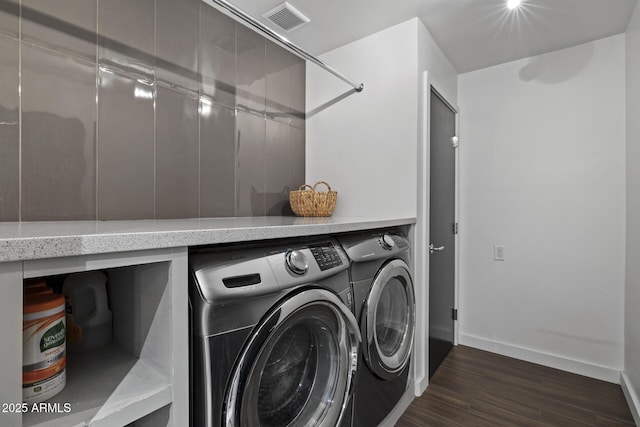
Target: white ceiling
(472,33)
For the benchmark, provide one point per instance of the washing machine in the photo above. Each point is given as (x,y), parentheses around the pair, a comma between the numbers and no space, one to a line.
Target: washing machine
(274,341)
(384,304)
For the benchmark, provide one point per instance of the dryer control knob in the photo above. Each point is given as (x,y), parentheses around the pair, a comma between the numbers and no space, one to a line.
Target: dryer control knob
(387,242)
(296,262)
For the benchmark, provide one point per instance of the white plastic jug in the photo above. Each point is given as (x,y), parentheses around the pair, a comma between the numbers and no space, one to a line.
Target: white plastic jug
(87,307)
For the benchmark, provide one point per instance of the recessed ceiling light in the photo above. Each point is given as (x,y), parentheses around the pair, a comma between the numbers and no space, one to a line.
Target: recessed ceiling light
(512,4)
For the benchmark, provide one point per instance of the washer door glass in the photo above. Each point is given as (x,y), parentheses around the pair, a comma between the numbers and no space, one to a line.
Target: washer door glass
(297,369)
(389,320)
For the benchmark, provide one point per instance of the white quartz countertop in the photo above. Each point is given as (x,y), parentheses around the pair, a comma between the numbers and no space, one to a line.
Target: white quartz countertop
(38,240)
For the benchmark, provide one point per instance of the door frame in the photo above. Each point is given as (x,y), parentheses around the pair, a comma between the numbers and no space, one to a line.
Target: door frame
(422,237)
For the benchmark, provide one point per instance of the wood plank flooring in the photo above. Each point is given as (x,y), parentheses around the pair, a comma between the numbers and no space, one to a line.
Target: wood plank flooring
(476,388)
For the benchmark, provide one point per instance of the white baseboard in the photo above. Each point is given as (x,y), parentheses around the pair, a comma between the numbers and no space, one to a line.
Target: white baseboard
(400,407)
(632,397)
(579,367)
(420,385)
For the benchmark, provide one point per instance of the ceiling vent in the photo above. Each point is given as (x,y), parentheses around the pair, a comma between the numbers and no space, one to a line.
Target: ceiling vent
(286,17)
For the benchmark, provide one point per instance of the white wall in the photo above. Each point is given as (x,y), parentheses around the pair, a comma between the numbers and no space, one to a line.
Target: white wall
(442,75)
(543,173)
(365,144)
(632,298)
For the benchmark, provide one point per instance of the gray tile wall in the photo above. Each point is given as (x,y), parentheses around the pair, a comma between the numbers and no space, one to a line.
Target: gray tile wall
(142,109)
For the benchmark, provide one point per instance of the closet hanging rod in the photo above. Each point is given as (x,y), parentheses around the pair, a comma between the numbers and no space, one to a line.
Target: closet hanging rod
(254,23)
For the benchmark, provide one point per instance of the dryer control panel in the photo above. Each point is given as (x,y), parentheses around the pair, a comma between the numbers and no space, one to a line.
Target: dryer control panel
(365,247)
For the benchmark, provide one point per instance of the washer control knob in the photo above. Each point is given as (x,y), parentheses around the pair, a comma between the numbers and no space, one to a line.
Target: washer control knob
(296,262)
(387,242)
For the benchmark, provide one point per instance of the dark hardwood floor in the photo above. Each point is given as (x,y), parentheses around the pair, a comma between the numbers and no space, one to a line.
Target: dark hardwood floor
(476,388)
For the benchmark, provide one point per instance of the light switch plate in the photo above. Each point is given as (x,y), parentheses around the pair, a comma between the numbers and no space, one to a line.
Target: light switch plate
(498,252)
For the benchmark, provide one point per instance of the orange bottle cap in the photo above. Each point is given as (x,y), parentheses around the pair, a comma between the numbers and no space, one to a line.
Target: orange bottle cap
(34,303)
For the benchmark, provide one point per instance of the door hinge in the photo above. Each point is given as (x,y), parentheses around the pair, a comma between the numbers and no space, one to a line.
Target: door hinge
(454,313)
(455,228)
(455,141)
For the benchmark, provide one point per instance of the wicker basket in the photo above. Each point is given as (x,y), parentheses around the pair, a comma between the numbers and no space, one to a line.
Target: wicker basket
(308,202)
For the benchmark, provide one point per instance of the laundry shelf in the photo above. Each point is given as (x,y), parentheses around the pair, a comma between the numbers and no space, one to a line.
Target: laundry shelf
(105,387)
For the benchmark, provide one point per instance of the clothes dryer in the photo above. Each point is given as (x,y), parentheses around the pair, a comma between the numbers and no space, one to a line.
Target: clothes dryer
(273,338)
(385,307)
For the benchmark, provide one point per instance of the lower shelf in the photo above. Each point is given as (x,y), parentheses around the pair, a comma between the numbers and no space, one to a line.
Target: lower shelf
(105,387)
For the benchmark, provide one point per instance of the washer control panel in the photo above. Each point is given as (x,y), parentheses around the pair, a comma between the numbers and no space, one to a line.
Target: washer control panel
(326,255)
(222,274)
(296,262)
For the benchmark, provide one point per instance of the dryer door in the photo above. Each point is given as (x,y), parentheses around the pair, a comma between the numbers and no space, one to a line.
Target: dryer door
(298,366)
(389,320)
